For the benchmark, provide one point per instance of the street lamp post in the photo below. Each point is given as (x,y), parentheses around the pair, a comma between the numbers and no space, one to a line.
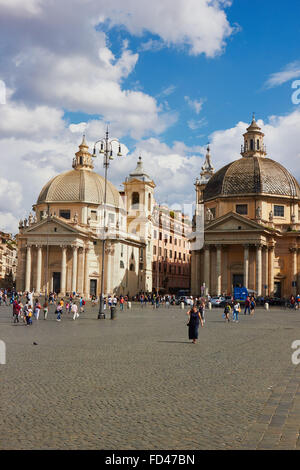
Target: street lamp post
(107,151)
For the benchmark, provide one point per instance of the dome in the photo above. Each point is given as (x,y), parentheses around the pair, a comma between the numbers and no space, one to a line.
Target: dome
(79,185)
(251,176)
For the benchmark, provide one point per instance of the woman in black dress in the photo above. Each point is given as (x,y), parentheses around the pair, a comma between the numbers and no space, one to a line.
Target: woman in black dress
(194,322)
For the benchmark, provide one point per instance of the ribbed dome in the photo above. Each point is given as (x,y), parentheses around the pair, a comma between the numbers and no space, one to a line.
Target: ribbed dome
(79,185)
(250,176)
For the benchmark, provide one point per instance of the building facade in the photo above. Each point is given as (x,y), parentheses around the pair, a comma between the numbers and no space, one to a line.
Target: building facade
(250,210)
(60,247)
(8,258)
(171,250)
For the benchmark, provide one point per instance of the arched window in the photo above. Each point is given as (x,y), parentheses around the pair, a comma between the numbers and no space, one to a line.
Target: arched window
(251,144)
(257,144)
(80,160)
(122,264)
(131,267)
(135,200)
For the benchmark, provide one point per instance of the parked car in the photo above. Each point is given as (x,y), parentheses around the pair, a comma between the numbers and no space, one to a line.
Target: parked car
(217,301)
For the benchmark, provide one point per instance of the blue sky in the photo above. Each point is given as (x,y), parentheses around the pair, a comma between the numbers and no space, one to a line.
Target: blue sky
(169,77)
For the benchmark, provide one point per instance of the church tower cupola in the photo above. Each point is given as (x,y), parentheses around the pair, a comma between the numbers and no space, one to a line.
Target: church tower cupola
(207,168)
(253,141)
(83,159)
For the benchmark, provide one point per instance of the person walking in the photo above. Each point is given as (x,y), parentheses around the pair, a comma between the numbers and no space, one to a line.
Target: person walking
(122,302)
(45,309)
(236,310)
(227,311)
(247,306)
(252,306)
(194,321)
(201,309)
(37,308)
(75,311)
(59,312)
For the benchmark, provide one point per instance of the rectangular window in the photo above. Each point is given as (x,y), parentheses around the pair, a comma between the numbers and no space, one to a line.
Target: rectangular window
(175,255)
(159,251)
(65,214)
(160,235)
(183,256)
(166,253)
(175,241)
(241,209)
(111,218)
(278,211)
(94,215)
(170,253)
(170,239)
(154,250)
(179,255)
(213,211)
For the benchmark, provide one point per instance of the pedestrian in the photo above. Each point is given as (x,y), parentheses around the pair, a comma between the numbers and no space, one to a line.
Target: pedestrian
(227,311)
(236,310)
(82,304)
(75,311)
(29,315)
(193,323)
(59,312)
(122,302)
(37,308)
(201,309)
(252,305)
(45,309)
(16,311)
(247,306)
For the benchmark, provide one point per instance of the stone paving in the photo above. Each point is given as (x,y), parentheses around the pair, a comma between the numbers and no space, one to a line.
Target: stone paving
(136,382)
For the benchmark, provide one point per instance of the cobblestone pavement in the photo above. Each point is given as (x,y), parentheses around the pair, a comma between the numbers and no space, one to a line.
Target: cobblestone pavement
(136,382)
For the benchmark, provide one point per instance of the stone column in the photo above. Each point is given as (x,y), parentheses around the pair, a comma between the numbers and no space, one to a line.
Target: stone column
(86,273)
(74,269)
(63,275)
(28,269)
(293,251)
(207,269)
(246,266)
(258,269)
(266,273)
(218,270)
(39,269)
(271,268)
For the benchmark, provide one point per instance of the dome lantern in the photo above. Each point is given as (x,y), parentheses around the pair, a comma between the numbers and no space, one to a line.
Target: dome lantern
(253,141)
(83,158)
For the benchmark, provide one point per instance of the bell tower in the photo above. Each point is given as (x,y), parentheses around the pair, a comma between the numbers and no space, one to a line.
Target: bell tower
(253,141)
(139,196)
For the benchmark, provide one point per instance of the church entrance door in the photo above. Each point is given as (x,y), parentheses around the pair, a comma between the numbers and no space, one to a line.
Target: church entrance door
(56,282)
(93,287)
(238,280)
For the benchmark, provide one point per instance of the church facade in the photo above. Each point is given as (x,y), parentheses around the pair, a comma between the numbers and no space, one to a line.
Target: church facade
(250,210)
(60,247)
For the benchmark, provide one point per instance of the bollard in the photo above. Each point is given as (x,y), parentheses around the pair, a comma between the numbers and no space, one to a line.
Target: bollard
(267,305)
(112,312)
(128,304)
(209,306)
(182,305)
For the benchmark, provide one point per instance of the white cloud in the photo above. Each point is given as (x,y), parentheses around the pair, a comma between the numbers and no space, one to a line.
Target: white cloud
(197,124)
(196,105)
(289,72)
(200,25)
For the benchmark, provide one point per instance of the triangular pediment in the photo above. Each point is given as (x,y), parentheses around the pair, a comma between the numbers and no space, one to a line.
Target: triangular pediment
(51,226)
(235,222)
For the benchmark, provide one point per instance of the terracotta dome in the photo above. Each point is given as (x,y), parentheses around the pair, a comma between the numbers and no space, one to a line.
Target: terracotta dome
(251,176)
